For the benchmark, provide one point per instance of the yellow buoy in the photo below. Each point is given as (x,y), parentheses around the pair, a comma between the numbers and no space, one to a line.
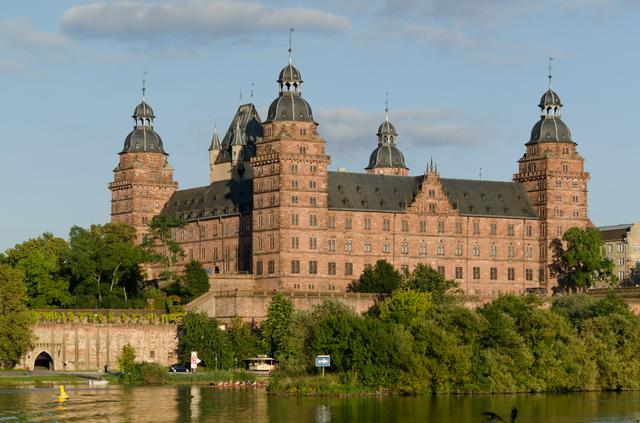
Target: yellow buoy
(63,395)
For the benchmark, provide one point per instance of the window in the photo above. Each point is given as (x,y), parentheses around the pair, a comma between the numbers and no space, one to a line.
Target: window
(313,243)
(559,231)
(575,198)
(528,230)
(636,248)
(621,275)
(313,220)
(302,149)
(331,222)
(511,251)
(259,267)
(622,261)
(295,243)
(293,167)
(440,249)
(259,246)
(494,229)
(331,268)
(295,199)
(215,230)
(313,168)
(331,245)
(367,223)
(404,247)
(494,250)
(347,223)
(475,250)
(422,248)
(528,274)
(511,274)
(558,184)
(476,228)
(367,246)
(348,246)
(528,251)
(348,269)
(441,270)
(459,273)
(432,193)
(476,273)
(404,269)
(541,275)
(609,248)
(440,226)
(458,250)
(272,242)
(493,273)
(313,267)
(511,231)
(386,225)
(294,219)
(386,247)
(272,219)
(295,266)
(405,225)
(458,227)
(620,247)
(313,201)
(432,207)
(423,226)
(312,184)
(294,183)
(271,267)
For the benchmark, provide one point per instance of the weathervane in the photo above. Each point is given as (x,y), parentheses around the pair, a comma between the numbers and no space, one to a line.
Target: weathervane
(291,29)
(251,93)
(550,60)
(386,106)
(144,88)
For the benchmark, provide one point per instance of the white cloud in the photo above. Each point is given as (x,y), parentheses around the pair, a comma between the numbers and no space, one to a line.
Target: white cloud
(10,66)
(193,20)
(19,35)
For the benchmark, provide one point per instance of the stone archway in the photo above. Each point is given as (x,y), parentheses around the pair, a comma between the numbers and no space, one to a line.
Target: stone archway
(44,360)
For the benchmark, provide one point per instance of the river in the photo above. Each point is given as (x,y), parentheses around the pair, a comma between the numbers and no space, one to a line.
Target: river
(207,404)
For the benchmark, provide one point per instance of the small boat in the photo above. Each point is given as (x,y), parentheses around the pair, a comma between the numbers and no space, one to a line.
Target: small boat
(98,382)
(261,364)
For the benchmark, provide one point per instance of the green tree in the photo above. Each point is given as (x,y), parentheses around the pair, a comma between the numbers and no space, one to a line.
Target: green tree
(404,306)
(105,257)
(195,280)
(243,340)
(580,262)
(127,358)
(15,318)
(424,278)
(41,261)
(276,328)
(198,332)
(383,278)
(161,234)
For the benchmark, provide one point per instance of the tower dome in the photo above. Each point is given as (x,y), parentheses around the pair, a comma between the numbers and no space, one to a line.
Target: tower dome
(550,127)
(143,138)
(386,157)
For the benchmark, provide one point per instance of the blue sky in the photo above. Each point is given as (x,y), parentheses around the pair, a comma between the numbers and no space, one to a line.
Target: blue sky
(464,79)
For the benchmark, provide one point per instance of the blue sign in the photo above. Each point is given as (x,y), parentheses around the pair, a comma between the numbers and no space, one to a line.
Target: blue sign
(323,361)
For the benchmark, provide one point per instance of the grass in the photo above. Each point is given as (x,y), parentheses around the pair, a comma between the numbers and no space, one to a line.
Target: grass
(19,379)
(315,385)
(206,376)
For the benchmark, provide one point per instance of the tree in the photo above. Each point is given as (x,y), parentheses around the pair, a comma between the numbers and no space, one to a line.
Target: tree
(275,329)
(41,262)
(195,280)
(425,279)
(127,358)
(579,261)
(242,339)
(15,317)
(383,278)
(104,257)
(403,306)
(161,230)
(201,333)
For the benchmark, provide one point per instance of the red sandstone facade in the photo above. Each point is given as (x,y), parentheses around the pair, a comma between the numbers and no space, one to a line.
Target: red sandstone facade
(287,222)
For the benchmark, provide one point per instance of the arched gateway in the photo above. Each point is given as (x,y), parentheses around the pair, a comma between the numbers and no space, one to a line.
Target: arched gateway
(44,360)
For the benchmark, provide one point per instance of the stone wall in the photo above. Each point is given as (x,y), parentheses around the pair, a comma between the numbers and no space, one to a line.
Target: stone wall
(252,305)
(91,346)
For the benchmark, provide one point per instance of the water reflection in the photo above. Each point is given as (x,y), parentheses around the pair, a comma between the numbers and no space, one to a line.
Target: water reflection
(209,404)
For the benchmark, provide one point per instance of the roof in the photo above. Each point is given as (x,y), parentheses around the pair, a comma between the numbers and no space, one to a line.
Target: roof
(248,121)
(366,191)
(221,198)
(614,232)
(143,139)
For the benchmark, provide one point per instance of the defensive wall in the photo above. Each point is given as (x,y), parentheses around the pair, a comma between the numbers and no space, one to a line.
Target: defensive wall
(89,339)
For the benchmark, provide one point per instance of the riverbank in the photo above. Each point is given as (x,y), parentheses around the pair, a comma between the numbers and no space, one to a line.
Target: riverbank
(21,377)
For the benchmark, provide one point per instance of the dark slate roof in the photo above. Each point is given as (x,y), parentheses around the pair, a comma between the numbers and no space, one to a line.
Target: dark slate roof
(550,129)
(248,121)
(290,74)
(366,191)
(143,139)
(218,199)
(386,155)
(289,106)
(614,232)
(143,110)
(386,128)
(549,99)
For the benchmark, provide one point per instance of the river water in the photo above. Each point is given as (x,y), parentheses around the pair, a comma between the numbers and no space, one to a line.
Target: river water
(207,404)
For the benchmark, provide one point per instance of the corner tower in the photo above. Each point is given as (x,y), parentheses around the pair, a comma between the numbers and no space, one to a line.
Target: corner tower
(289,191)
(387,159)
(552,172)
(143,179)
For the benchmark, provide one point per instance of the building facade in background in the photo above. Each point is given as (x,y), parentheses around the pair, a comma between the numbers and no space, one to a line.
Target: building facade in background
(274,212)
(622,246)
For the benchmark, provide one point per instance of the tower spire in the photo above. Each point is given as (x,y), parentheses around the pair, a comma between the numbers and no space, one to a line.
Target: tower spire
(251,92)
(291,29)
(144,83)
(386,106)
(550,60)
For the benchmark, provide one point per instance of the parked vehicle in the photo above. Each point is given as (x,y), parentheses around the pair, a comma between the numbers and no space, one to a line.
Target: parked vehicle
(179,368)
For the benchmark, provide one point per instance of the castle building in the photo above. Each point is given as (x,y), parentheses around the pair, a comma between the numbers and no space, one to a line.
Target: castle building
(275,213)
(622,247)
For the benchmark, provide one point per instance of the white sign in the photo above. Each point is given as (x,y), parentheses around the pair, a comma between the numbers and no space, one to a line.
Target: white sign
(194,359)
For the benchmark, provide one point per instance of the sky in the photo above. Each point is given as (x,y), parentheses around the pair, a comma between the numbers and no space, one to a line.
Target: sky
(464,79)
